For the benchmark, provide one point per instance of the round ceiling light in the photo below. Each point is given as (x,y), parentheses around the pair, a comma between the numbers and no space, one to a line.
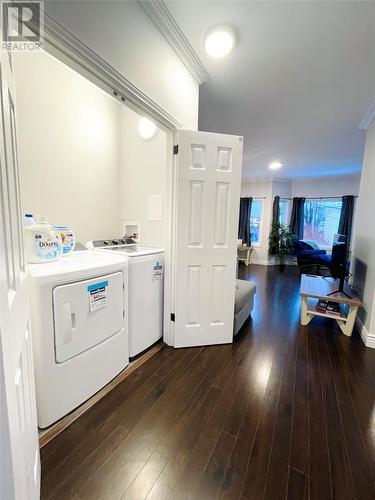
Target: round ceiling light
(146,128)
(275,165)
(219,41)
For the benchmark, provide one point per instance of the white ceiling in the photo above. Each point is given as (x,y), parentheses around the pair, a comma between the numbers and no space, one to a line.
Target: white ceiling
(297,85)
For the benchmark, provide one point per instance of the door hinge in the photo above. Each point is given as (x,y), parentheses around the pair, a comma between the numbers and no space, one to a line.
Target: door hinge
(175,149)
(173,317)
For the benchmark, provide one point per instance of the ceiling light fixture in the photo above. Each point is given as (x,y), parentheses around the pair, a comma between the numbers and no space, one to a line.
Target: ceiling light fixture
(275,165)
(146,128)
(219,41)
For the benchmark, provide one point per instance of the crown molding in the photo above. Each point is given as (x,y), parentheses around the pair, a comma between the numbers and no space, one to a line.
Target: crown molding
(368,118)
(57,37)
(166,24)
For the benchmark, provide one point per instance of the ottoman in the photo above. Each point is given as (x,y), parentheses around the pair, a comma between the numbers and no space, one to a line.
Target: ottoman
(243,303)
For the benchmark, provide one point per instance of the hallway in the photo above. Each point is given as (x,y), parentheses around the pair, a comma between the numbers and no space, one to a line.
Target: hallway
(283,412)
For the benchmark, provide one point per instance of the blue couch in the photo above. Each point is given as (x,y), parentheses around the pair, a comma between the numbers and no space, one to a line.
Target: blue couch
(310,255)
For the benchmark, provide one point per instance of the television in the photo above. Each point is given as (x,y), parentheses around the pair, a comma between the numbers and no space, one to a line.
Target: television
(339,267)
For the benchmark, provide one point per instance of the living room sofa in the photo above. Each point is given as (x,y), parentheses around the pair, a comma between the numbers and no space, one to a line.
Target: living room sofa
(244,303)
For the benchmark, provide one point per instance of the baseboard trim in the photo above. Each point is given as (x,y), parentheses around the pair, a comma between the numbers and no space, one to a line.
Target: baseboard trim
(367,338)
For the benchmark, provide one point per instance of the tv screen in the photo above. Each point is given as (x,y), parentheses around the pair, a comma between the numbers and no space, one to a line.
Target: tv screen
(339,265)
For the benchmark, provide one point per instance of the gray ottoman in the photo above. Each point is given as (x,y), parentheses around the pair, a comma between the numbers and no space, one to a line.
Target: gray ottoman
(243,303)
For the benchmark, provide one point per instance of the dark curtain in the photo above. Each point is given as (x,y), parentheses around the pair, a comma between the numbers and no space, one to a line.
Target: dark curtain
(346,217)
(244,220)
(276,210)
(296,219)
(275,220)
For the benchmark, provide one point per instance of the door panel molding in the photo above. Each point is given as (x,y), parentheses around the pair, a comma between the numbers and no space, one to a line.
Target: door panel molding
(207,194)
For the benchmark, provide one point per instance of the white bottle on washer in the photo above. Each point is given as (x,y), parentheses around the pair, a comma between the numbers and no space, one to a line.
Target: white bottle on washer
(42,243)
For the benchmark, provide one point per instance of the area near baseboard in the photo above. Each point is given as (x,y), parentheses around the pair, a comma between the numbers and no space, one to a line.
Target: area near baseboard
(259,262)
(269,262)
(59,426)
(367,337)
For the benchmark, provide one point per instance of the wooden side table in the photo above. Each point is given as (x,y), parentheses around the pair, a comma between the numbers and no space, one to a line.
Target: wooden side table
(247,253)
(315,288)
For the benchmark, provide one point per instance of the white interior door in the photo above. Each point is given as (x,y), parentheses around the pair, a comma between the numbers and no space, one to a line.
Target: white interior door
(19,460)
(207,194)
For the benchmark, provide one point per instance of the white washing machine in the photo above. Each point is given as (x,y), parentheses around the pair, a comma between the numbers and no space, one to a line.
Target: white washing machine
(79,327)
(146,290)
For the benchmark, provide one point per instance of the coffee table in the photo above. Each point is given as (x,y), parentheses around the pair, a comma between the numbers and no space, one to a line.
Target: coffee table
(315,288)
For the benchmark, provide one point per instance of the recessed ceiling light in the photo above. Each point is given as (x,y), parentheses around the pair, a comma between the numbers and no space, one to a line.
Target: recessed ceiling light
(275,165)
(146,128)
(219,41)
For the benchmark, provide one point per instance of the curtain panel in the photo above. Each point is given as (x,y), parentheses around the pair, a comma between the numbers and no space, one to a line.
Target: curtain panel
(275,220)
(346,217)
(276,210)
(296,218)
(244,221)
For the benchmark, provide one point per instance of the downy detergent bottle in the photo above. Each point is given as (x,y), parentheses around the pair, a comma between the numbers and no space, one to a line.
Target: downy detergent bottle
(42,244)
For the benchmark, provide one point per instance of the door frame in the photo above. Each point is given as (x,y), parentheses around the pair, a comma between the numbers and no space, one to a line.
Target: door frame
(7,481)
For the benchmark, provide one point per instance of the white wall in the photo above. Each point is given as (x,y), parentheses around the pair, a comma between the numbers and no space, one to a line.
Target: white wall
(82,160)
(122,34)
(328,186)
(68,135)
(143,173)
(364,246)
(282,188)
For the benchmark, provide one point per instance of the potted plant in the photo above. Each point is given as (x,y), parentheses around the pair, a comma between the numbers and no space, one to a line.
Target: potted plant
(281,242)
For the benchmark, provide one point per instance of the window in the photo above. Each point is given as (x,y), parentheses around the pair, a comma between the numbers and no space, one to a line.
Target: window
(321,220)
(284,212)
(255,220)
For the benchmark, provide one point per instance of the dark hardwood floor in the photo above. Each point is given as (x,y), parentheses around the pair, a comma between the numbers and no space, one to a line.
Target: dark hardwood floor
(285,412)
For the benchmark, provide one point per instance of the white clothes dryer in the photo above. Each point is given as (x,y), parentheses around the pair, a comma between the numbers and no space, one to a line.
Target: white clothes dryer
(79,328)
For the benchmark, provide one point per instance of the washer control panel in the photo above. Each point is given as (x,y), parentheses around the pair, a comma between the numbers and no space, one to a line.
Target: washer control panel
(113,242)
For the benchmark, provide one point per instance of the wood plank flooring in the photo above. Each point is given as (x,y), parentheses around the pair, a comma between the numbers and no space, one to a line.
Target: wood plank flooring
(285,412)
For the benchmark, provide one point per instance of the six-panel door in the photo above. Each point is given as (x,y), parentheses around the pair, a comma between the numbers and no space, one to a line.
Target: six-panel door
(208,190)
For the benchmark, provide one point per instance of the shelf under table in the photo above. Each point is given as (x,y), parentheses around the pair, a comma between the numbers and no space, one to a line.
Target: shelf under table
(311,309)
